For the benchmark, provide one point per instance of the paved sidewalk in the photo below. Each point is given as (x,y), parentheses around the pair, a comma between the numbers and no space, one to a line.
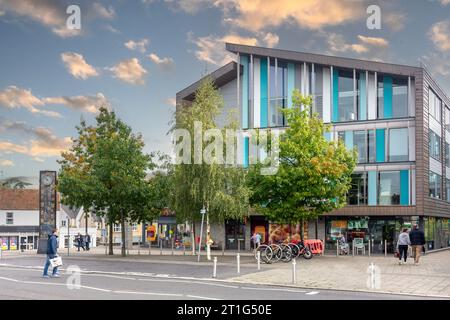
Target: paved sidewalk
(430,278)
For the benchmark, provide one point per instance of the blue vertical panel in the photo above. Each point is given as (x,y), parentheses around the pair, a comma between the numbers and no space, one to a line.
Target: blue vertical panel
(380,145)
(327,136)
(372,188)
(349,139)
(246,146)
(263,91)
(387,92)
(404,187)
(362,112)
(290,82)
(335,95)
(244,81)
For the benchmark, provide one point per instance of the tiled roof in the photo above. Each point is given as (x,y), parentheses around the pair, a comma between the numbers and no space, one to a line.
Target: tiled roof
(20,199)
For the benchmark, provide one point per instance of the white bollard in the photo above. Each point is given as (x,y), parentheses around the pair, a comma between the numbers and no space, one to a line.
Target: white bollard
(160,247)
(385,248)
(215,267)
(294,273)
(149,248)
(172,247)
(337,248)
(258,259)
(369,247)
(139,247)
(238,260)
(353,248)
(184,249)
(1,253)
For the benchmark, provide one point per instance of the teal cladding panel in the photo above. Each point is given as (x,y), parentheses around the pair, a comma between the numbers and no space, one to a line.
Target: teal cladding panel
(380,148)
(349,140)
(327,136)
(290,82)
(372,188)
(387,92)
(404,187)
(263,91)
(335,95)
(246,146)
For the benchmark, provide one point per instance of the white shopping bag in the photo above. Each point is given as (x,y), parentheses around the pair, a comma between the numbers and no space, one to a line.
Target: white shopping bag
(56,261)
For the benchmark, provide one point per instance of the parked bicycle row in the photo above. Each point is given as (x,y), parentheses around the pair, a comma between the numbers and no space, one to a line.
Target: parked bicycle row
(271,253)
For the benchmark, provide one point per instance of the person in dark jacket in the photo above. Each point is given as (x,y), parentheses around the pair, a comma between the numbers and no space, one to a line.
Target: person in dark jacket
(417,239)
(87,241)
(52,249)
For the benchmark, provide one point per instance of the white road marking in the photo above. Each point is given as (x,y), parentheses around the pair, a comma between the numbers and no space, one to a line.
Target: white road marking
(312,293)
(273,289)
(9,279)
(149,293)
(108,276)
(200,297)
(215,284)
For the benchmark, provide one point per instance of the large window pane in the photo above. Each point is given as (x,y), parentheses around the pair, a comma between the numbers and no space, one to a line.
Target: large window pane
(359,141)
(346,96)
(380,97)
(435,185)
(371,143)
(398,144)
(447,181)
(278,92)
(447,118)
(447,155)
(434,105)
(357,195)
(389,188)
(400,97)
(434,145)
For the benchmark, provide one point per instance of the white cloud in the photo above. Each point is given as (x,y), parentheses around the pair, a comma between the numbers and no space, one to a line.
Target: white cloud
(77,65)
(6,163)
(374,41)
(440,35)
(9,147)
(137,45)
(89,104)
(165,63)
(171,102)
(13,97)
(111,29)
(337,43)
(129,71)
(50,13)
(103,12)
(445,2)
(212,48)
(438,63)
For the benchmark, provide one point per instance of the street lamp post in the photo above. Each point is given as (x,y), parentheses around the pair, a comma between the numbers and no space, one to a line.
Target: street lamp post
(203,211)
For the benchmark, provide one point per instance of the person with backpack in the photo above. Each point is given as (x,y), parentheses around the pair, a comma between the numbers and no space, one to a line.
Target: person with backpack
(417,238)
(402,245)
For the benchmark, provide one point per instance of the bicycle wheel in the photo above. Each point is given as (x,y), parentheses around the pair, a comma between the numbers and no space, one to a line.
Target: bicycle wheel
(277,253)
(307,254)
(265,253)
(295,250)
(286,253)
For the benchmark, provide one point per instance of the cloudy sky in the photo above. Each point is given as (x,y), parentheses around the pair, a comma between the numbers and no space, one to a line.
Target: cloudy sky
(135,55)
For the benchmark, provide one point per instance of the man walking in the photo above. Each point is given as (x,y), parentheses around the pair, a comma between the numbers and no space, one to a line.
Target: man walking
(88,241)
(52,247)
(417,239)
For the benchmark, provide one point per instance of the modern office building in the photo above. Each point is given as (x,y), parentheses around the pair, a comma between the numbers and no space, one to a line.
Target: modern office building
(396,116)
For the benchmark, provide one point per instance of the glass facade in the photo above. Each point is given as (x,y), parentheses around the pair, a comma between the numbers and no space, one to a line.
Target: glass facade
(278,92)
(346,110)
(434,145)
(435,185)
(447,118)
(360,143)
(434,105)
(447,155)
(389,188)
(399,97)
(357,195)
(398,144)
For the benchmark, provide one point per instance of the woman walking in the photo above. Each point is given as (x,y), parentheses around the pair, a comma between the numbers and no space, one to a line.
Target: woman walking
(402,244)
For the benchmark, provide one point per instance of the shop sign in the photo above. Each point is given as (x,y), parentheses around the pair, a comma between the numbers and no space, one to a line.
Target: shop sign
(13,243)
(151,233)
(4,243)
(339,224)
(358,224)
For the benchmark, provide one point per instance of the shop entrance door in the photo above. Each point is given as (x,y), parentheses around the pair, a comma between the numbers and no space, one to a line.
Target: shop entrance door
(234,235)
(381,230)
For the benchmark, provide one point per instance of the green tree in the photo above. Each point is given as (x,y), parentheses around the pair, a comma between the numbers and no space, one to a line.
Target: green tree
(314,174)
(219,188)
(105,172)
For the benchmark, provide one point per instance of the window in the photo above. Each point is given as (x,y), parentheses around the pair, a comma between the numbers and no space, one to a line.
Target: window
(63,223)
(447,155)
(357,194)
(389,188)
(399,97)
(380,97)
(447,181)
(117,228)
(359,141)
(434,105)
(278,92)
(9,218)
(398,144)
(435,185)
(371,145)
(447,118)
(434,145)
(346,110)
(134,226)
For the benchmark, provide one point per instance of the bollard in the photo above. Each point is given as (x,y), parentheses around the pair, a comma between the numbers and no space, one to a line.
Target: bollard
(337,248)
(139,247)
(238,258)
(1,253)
(149,248)
(172,247)
(369,247)
(106,249)
(323,247)
(160,248)
(215,268)
(184,249)
(353,248)
(385,248)
(258,259)
(294,273)
(223,249)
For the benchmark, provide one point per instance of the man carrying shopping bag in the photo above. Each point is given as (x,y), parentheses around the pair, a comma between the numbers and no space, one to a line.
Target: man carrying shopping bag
(52,247)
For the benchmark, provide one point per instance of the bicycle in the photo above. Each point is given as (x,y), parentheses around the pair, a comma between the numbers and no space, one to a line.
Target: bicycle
(299,249)
(265,253)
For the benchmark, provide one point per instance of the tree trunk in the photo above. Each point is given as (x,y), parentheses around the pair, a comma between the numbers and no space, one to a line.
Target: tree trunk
(124,253)
(111,252)
(301,230)
(193,238)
